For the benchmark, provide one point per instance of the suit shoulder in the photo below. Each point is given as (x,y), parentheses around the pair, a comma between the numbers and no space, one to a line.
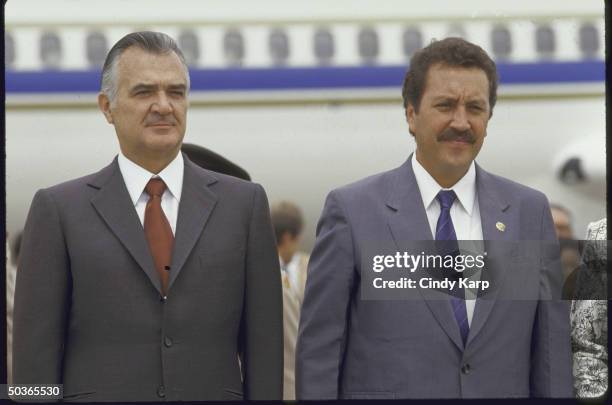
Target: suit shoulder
(225,180)
(517,190)
(226,186)
(67,187)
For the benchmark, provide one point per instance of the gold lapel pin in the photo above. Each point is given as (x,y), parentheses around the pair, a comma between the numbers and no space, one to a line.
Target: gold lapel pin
(500,226)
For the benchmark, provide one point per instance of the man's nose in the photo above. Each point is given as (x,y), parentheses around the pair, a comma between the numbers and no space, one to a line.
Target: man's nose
(460,120)
(162,104)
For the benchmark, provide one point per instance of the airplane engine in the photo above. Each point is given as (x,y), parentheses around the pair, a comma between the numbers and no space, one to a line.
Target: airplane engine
(581,165)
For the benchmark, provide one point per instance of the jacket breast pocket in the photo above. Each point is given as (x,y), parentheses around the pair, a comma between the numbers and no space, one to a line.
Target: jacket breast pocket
(215,280)
(225,251)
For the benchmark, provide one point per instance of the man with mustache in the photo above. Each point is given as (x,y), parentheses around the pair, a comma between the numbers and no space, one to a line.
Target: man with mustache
(512,341)
(152,279)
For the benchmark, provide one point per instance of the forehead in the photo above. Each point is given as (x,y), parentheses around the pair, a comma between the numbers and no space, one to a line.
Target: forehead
(139,66)
(447,80)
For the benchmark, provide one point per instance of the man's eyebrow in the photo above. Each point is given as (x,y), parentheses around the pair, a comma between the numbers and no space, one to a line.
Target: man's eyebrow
(150,87)
(448,97)
(143,86)
(479,101)
(444,97)
(177,87)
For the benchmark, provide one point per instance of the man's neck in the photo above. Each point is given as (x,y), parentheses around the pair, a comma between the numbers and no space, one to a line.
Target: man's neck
(446,178)
(153,164)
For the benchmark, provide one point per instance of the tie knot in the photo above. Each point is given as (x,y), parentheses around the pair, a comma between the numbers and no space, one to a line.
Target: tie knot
(446,198)
(155,187)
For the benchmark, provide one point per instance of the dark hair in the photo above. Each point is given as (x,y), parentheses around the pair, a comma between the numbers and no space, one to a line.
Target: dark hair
(449,52)
(286,218)
(210,160)
(154,42)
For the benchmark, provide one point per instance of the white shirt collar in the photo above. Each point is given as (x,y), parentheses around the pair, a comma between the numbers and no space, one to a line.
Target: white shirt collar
(136,177)
(465,188)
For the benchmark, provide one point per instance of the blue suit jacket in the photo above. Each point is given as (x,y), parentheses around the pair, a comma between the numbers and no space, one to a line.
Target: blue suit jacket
(353,348)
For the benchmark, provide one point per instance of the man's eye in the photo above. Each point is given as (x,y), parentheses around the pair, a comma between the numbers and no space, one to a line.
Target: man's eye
(178,93)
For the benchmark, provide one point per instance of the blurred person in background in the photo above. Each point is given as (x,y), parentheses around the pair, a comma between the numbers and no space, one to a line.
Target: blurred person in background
(288,222)
(569,246)
(589,316)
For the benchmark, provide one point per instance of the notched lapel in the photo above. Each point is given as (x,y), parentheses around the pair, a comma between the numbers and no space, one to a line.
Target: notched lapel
(499,234)
(115,206)
(196,206)
(407,221)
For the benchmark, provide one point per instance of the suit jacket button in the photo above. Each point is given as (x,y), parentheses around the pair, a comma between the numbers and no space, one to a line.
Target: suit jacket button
(163,298)
(465,369)
(161,391)
(167,341)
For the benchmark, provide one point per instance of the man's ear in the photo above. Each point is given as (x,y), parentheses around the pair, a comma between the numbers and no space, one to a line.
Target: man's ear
(105,106)
(411,118)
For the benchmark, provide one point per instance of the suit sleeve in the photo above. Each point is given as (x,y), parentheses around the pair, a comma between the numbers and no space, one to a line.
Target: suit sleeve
(41,297)
(323,321)
(551,364)
(262,326)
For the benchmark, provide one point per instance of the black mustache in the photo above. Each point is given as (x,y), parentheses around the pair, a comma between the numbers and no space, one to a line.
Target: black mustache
(453,135)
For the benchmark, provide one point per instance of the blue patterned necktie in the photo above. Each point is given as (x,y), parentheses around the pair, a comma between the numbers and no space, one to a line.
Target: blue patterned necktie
(446,231)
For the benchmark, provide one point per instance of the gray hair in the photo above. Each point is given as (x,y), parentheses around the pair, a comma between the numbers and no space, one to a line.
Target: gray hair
(154,42)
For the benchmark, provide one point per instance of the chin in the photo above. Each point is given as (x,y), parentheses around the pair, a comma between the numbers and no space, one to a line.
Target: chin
(454,167)
(163,146)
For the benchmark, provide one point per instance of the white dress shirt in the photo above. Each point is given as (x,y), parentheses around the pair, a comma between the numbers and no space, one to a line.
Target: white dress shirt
(136,178)
(465,212)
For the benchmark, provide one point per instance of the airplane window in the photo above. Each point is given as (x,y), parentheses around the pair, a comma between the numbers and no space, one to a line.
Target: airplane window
(589,40)
(190,46)
(323,46)
(501,41)
(50,50)
(9,50)
(368,45)
(96,48)
(279,46)
(412,41)
(545,40)
(233,47)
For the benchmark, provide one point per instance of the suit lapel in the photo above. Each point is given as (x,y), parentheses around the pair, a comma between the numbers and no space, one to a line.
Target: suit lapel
(116,208)
(196,205)
(407,221)
(497,227)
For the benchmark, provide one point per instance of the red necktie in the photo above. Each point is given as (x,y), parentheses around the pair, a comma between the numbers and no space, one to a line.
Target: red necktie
(158,232)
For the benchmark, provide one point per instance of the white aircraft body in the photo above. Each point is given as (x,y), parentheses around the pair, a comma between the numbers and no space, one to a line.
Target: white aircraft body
(306,96)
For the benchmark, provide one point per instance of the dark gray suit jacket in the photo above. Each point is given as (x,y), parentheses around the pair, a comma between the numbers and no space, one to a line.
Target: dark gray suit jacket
(88,308)
(353,348)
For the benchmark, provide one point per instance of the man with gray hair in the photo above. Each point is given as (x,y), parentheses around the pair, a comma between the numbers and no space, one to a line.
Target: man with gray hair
(152,279)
